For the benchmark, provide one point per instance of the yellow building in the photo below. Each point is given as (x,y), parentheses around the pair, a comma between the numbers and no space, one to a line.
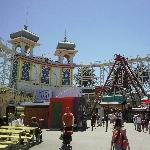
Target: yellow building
(33,72)
(30,73)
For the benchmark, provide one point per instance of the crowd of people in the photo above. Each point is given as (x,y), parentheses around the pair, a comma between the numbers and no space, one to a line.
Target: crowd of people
(102,120)
(141,122)
(19,122)
(119,138)
(115,118)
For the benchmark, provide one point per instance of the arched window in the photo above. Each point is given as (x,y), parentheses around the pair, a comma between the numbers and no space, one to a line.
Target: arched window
(18,49)
(66,59)
(27,50)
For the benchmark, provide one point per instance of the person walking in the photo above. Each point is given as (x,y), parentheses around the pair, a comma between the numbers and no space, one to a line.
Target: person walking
(146,123)
(135,121)
(106,120)
(112,118)
(68,120)
(119,138)
(149,127)
(68,123)
(93,120)
(139,121)
(103,121)
(143,124)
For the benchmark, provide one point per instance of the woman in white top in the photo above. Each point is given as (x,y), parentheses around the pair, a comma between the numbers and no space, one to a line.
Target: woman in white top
(21,120)
(112,118)
(149,127)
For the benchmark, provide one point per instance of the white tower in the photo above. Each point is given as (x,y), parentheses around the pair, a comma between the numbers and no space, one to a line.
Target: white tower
(65,49)
(24,41)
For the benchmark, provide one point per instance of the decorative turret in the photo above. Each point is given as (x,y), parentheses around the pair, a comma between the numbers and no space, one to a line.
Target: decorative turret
(65,49)
(24,41)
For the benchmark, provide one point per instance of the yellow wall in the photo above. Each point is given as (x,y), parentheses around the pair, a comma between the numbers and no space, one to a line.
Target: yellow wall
(19,72)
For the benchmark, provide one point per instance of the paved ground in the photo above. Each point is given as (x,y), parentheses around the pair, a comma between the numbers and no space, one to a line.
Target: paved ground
(94,140)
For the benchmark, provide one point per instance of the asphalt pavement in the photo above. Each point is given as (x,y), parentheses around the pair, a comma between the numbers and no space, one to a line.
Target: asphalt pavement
(94,140)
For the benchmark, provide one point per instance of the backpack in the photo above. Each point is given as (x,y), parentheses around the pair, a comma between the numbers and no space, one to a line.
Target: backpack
(120,140)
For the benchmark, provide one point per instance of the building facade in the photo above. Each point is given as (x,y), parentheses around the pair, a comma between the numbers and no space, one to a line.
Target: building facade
(32,72)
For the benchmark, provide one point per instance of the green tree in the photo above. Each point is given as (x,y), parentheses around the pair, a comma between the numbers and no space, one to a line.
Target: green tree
(85,77)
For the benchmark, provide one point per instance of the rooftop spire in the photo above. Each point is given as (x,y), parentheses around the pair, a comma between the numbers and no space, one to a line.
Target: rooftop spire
(65,38)
(28,4)
(26,17)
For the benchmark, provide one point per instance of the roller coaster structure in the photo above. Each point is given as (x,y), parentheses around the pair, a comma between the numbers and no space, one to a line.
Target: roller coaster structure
(6,54)
(101,70)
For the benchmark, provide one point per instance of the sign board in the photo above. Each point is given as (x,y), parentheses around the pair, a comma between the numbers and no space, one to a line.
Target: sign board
(42,95)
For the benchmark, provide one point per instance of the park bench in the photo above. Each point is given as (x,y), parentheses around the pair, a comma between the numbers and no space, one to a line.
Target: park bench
(26,135)
(3,146)
(13,141)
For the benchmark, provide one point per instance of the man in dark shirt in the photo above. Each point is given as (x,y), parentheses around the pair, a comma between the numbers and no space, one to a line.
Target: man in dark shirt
(93,120)
(106,120)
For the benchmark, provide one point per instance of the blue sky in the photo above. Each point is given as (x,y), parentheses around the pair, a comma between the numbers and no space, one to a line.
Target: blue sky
(99,28)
